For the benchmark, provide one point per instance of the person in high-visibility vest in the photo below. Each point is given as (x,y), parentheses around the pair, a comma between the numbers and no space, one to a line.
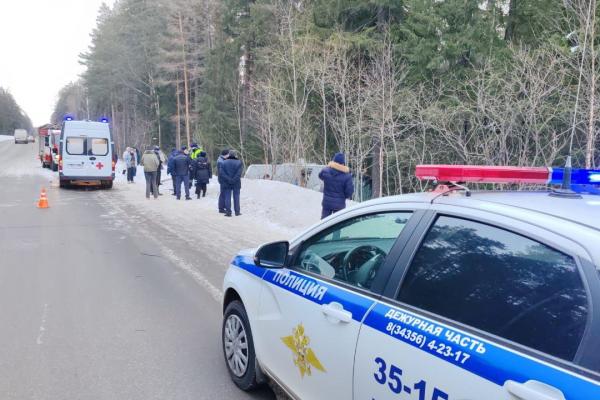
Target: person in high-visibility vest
(194,153)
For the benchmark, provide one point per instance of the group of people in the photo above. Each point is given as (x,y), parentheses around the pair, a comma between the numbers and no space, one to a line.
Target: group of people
(186,167)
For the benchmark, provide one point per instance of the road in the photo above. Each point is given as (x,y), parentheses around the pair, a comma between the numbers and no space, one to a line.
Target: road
(94,305)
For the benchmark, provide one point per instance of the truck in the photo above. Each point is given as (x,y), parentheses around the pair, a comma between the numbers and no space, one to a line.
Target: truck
(21,136)
(49,145)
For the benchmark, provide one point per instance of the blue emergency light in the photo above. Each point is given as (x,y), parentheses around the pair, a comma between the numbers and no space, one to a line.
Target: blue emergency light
(578,176)
(68,118)
(104,120)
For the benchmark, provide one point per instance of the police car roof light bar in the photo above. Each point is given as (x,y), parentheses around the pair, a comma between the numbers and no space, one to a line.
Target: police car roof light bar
(577,180)
(483,174)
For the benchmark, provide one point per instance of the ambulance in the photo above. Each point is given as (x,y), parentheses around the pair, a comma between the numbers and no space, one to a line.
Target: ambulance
(86,154)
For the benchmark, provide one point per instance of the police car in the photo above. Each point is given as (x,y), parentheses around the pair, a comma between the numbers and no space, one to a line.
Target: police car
(448,294)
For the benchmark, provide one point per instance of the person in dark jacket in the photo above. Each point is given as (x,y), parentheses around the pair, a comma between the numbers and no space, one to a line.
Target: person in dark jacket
(338,185)
(181,171)
(230,173)
(220,161)
(170,169)
(202,172)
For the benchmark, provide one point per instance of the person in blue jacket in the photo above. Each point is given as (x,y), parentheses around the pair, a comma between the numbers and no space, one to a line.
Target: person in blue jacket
(338,185)
(181,171)
(170,169)
(230,174)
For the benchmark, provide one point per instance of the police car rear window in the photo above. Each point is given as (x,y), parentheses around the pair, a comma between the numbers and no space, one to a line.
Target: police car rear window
(499,282)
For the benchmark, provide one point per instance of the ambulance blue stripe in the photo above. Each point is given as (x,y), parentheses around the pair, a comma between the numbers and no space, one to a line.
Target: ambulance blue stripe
(495,364)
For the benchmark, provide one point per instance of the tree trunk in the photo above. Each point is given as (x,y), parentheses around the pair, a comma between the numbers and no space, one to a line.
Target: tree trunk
(178,122)
(185,82)
(509,33)
(591,134)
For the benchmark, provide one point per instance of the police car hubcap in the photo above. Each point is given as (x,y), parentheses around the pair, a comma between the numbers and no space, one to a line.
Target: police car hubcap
(236,345)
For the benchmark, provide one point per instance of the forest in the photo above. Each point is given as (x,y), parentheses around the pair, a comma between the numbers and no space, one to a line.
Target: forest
(391,83)
(11,115)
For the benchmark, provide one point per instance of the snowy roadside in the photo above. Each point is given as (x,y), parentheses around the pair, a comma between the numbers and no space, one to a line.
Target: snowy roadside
(270,211)
(24,160)
(6,138)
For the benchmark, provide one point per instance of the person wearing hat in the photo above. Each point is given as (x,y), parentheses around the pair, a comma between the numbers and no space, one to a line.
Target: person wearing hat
(130,163)
(195,151)
(230,173)
(220,161)
(338,185)
(202,172)
(181,171)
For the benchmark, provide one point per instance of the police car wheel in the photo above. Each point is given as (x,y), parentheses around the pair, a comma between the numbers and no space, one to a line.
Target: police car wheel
(238,347)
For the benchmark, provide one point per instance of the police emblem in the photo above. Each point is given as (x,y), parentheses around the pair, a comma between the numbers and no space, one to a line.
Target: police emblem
(304,357)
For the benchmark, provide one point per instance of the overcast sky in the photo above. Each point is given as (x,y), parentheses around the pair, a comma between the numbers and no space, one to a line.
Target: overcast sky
(40,41)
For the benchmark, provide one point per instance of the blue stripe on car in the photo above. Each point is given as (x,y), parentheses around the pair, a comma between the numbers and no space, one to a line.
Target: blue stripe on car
(494,363)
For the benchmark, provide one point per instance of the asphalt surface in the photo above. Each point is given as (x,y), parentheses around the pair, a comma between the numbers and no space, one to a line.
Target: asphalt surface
(92,305)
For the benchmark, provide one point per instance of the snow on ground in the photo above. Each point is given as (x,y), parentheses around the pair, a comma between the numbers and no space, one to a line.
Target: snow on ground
(6,138)
(24,160)
(270,210)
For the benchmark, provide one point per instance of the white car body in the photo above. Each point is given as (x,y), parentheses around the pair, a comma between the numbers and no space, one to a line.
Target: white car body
(21,136)
(358,344)
(86,154)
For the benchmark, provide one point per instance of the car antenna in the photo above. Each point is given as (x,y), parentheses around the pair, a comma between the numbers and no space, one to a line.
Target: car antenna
(565,190)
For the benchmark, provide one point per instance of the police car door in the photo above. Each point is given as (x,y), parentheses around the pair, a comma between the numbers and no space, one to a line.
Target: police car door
(481,313)
(311,313)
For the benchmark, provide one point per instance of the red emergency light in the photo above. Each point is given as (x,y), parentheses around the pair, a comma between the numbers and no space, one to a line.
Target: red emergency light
(483,174)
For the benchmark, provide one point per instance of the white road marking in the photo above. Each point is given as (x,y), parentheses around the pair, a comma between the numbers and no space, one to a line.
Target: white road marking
(43,325)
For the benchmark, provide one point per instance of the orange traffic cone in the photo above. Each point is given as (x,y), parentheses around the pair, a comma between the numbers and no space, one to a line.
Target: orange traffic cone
(43,201)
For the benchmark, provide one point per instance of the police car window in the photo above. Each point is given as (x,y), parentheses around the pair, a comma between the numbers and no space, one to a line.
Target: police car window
(499,282)
(75,145)
(97,147)
(353,250)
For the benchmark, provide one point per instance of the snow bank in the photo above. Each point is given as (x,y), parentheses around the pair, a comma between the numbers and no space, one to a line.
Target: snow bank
(24,160)
(281,210)
(6,138)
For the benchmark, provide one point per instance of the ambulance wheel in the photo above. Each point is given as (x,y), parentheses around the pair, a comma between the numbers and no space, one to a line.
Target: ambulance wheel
(54,167)
(107,184)
(238,347)
(63,184)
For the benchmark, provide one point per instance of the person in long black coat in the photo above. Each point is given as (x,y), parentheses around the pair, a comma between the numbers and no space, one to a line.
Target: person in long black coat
(181,170)
(202,172)
(230,174)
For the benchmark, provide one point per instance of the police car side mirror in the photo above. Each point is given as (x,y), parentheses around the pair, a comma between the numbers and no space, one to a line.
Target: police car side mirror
(272,255)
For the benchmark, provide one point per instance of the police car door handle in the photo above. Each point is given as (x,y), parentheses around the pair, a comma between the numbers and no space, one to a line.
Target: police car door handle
(533,390)
(335,312)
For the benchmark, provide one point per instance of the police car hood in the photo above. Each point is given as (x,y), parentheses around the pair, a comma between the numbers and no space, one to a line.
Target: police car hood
(247,252)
